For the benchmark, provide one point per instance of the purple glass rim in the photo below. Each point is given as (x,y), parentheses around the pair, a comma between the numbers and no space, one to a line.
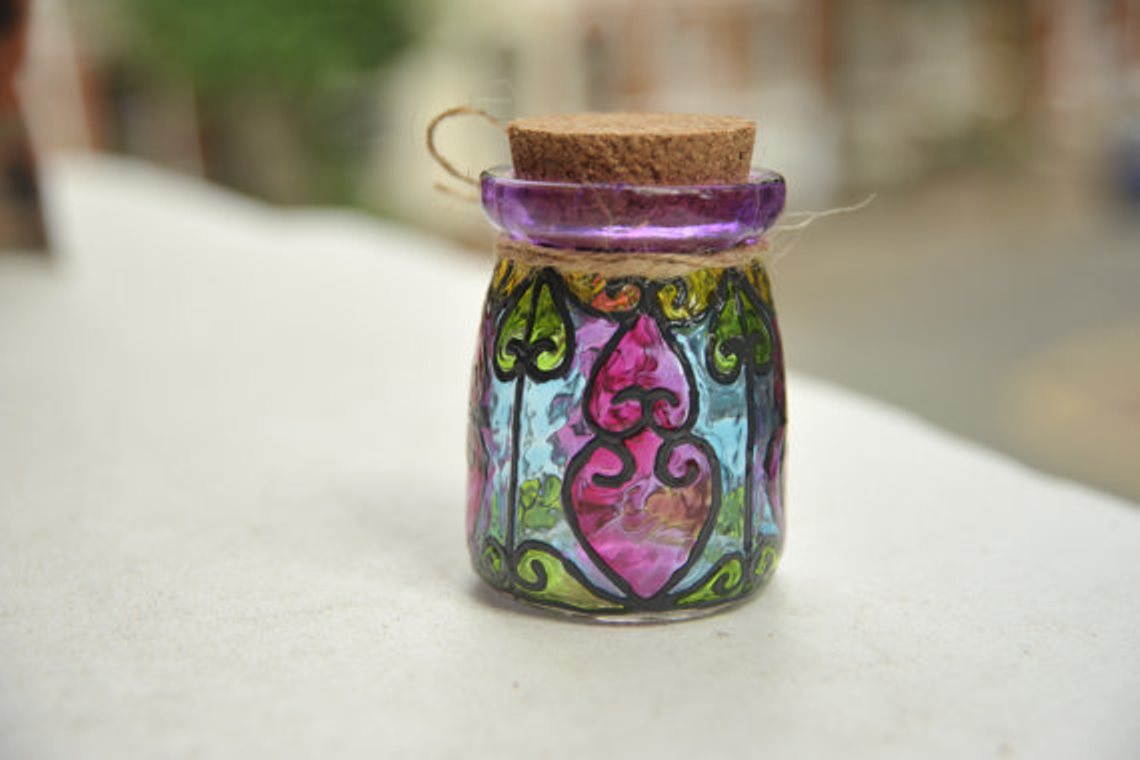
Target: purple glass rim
(615,217)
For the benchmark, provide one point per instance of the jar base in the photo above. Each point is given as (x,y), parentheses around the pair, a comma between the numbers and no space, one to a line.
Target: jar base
(504,598)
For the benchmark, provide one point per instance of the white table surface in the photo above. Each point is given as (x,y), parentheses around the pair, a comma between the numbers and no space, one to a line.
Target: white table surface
(231,509)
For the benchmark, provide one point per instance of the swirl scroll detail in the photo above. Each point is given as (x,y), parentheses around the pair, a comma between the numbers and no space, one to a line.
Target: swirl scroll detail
(535,340)
(643,493)
(740,341)
(544,575)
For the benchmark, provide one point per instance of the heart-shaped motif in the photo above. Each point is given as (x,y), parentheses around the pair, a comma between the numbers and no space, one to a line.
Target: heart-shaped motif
(640,522)
(640,493)
(639,382)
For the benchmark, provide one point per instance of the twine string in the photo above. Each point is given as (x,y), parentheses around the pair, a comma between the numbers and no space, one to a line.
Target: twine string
(651,264)
(786,236)
(442,160)
(809,217)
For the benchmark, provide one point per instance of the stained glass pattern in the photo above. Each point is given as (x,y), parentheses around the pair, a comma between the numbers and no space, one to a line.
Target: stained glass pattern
(626,439)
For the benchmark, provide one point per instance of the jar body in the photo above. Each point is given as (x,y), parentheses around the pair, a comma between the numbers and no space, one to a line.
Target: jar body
(626,438)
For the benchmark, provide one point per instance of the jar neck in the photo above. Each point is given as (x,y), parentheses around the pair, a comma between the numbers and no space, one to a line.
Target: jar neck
(658,265)
(633,218)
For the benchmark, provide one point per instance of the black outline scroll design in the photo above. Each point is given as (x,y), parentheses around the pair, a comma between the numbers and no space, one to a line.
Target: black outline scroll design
(737,293)
(672,437)
(527,350)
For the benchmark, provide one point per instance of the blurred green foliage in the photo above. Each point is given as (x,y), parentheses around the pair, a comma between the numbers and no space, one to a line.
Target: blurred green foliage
(296,75)
(281,45)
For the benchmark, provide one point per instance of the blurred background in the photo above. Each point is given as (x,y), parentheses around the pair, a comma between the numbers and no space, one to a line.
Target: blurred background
(992,287)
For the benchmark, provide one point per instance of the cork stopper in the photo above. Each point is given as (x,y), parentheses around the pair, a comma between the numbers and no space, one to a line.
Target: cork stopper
(633,148)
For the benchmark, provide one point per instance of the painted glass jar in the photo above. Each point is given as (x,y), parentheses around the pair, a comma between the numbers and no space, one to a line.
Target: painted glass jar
(627,414)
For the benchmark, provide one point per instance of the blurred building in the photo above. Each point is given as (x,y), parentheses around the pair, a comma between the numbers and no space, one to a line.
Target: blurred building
(849,95)
(855,95)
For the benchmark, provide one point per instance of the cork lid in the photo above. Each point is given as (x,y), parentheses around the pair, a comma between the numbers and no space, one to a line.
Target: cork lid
(633,148)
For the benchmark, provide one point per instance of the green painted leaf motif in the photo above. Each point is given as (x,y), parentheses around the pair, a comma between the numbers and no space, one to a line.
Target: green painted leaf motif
(493,559)
(726,334)
(724,582)
(688,297)
(739,333)
(754,325)
(540,503)
(766,564)
(543,577)
(730,520)
(550,331)
(512,331)
(491,565)
(535,332)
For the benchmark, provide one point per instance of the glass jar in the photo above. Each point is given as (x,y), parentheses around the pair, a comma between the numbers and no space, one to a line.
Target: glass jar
(627,415)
